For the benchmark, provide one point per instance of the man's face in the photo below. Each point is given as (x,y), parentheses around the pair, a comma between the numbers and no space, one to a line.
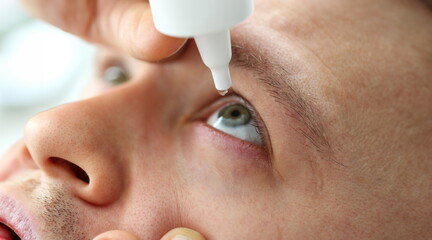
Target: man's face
(327,134)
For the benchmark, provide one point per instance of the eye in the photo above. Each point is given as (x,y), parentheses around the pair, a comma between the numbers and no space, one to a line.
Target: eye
(115,75)
(238,121)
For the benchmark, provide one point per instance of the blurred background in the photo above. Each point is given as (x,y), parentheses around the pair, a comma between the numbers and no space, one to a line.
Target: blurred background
(40,67)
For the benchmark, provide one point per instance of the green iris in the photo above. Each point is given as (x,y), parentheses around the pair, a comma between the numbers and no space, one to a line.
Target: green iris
(235,115)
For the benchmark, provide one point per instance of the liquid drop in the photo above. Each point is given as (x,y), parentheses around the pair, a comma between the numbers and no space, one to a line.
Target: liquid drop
(222,92)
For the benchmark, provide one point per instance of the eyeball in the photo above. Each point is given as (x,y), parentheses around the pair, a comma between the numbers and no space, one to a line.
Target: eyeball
(115,75)
(238,121)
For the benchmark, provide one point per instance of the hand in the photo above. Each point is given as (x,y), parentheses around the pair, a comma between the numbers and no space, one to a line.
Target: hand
(123,24)
(175,234)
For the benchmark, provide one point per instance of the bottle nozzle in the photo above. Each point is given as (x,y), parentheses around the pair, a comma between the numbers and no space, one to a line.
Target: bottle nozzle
(215,51)
(221,78)
(208,21)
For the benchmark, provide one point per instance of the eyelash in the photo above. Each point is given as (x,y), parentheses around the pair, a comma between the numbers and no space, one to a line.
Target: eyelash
(258,122)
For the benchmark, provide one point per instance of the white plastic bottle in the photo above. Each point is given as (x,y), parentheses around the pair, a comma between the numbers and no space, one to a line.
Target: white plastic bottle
(208,22)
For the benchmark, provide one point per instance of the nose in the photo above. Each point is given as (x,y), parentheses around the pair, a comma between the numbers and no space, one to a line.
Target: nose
(79,145)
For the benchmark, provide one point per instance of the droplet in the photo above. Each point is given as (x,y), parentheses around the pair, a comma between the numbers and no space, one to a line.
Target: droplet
(223,92)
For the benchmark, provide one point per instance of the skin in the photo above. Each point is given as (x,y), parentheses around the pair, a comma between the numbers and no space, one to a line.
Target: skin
(154,164)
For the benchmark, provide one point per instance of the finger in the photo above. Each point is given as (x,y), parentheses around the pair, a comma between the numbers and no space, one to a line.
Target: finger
(116,235)
(131,27)
(123,24)
(183,234)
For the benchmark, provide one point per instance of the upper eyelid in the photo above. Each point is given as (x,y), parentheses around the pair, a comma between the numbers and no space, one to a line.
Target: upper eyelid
(217,104)
(229,100)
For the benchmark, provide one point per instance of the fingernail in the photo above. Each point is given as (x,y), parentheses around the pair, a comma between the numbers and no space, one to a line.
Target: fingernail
(178,49)
(181,237)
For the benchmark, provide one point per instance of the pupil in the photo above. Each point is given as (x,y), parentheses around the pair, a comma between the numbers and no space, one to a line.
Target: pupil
(235,113)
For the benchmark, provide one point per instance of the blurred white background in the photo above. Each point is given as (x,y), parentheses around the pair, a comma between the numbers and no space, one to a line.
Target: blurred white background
(40,67)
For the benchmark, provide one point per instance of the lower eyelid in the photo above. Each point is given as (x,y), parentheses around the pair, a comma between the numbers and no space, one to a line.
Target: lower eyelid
(232,147)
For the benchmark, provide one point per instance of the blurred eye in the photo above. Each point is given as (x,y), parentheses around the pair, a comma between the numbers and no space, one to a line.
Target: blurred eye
(238,121)
(115,75)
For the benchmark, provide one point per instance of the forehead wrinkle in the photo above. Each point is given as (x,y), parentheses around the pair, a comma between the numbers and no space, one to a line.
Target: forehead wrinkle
(275,77)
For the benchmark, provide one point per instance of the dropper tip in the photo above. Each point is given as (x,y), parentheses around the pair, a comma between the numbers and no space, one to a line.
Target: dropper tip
(222,79)
(223,92)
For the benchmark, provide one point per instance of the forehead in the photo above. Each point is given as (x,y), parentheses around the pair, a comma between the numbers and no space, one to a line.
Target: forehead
(340,38)
(334,18)
(351,54)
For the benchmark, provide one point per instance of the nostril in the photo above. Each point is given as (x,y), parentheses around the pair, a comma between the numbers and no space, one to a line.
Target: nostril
(75,169)
(79,173)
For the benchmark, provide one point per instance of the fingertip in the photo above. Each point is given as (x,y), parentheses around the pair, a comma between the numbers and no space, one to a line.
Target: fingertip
(155,46)
(139,37)
(183,234)
(116,235)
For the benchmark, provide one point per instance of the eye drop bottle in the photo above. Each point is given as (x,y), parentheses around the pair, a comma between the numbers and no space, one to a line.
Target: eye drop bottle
(209,23)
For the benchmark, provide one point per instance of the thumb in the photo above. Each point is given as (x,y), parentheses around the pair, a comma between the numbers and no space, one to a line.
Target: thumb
(116,235)
(183,234)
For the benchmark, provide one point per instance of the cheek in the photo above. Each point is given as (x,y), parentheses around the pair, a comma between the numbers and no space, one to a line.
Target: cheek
(220,163)
(8,163)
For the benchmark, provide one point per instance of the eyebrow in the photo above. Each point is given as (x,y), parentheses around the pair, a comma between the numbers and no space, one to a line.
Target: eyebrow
(276,79)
